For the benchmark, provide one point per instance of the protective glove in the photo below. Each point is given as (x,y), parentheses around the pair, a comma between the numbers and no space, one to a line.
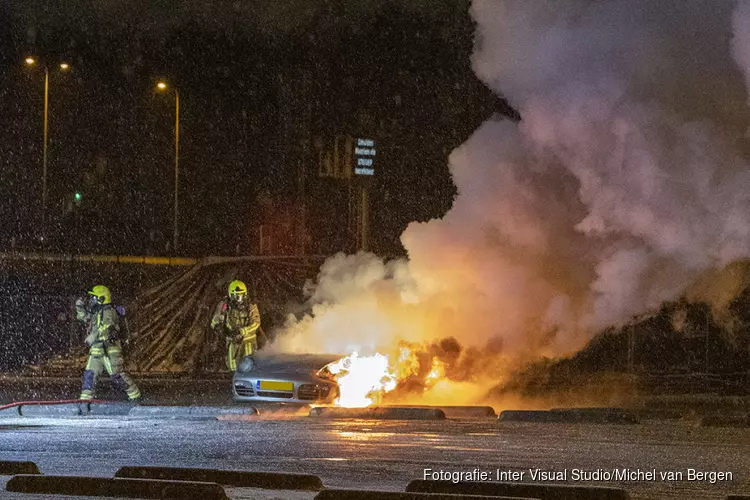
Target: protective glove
(81,306)
(82,311)
(90,339)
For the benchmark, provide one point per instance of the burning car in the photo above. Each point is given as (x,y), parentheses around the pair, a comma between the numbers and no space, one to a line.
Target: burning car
(298,379)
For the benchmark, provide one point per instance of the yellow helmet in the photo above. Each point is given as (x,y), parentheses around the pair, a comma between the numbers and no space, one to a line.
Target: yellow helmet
(102,294)
(237,291)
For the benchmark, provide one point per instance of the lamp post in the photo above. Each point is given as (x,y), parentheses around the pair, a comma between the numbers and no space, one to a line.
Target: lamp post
(162,86)
(30,61)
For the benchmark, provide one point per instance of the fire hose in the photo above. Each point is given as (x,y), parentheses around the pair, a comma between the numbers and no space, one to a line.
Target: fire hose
(19,404)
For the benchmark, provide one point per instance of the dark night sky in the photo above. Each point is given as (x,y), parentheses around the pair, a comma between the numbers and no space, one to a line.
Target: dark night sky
(406,64)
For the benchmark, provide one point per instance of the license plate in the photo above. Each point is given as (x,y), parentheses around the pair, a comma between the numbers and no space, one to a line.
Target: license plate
(268,385)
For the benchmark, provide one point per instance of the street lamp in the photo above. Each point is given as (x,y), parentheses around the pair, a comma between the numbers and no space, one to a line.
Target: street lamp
(64,66)
(162,86)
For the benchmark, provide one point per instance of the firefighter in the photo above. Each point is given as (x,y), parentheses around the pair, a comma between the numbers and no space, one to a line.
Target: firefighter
(239,321)
(105,344)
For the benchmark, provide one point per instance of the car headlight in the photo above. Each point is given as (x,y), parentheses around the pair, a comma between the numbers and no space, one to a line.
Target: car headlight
(246,365)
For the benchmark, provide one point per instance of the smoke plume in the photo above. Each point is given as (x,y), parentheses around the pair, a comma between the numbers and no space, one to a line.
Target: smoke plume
(623,182)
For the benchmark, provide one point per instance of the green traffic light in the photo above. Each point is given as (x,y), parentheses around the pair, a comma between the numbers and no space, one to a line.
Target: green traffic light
(78,196)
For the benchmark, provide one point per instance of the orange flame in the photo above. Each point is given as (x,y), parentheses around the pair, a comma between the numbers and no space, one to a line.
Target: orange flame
(436,373)
(361,380)
(366,380)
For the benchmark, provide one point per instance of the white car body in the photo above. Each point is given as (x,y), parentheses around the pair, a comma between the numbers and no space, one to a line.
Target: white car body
(297,379)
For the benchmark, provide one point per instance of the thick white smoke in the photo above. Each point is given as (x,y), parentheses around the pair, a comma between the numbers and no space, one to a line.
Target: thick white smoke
(741,40)
(621,184)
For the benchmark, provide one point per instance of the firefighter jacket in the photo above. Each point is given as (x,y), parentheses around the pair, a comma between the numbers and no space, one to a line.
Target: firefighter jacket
(239,322)
(102,325)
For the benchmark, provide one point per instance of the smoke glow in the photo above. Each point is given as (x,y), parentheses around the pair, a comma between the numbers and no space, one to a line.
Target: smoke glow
(624,182)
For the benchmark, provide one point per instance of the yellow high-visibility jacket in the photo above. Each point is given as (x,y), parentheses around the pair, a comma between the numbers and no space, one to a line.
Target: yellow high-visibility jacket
(103,324)
(243,320)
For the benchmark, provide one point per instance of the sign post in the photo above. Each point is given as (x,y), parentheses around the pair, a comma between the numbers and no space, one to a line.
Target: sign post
(353,160)
(364,157)
(364,170)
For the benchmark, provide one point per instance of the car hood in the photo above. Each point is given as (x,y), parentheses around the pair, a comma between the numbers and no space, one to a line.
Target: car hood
(292,363)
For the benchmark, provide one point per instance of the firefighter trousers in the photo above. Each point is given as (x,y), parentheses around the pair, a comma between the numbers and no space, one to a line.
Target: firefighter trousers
(107,357)
(238,350)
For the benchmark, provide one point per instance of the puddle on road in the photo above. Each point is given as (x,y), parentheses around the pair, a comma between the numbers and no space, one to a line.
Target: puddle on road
(362,436)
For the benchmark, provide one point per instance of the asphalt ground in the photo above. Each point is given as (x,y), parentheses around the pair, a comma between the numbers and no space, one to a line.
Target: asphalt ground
(383,455)
(356,454)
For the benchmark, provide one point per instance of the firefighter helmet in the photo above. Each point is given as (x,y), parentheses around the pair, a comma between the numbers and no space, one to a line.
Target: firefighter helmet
(101,294)
(237,291)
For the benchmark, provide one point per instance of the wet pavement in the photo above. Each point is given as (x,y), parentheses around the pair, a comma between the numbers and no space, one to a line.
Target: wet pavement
(384,454)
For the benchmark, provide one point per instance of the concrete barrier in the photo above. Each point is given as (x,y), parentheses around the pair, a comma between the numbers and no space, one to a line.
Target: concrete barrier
(538,416)
(379,413)
(208,412)
(595,415)
(72,409)
(118,409)
(115,487)
(54,410)
(10,412)
(244,479)
(11,467)
(329,494)
(524,490)
(98,408)
(457,411)
(570,416)
(725,421)
(66,407)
